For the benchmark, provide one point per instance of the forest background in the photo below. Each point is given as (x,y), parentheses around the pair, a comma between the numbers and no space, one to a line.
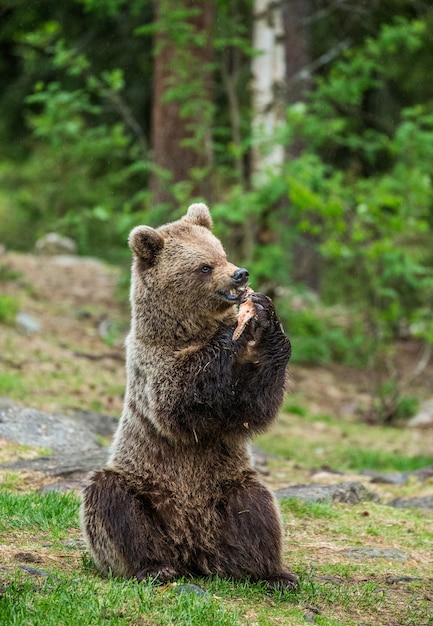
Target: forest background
(317,167)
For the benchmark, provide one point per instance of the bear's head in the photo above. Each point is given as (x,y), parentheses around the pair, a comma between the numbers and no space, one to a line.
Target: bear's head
(182,287)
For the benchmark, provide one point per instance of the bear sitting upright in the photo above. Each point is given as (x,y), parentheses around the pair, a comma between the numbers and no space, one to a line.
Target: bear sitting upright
(179,496)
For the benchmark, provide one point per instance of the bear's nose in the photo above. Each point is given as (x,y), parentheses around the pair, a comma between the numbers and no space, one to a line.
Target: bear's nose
(240,276)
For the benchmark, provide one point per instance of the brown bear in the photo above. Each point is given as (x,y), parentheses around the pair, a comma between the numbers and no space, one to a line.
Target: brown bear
(179,495)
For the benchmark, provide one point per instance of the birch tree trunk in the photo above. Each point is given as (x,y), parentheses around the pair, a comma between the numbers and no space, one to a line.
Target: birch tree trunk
(280,77)
(268,87)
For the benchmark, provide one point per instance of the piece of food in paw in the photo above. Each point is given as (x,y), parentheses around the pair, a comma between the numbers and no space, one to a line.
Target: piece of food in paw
(247,310)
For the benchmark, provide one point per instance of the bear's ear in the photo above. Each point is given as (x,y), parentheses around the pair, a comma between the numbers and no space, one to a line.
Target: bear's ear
(199,214)
(146,243)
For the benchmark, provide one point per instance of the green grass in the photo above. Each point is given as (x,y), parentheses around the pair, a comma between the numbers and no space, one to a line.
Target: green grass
(11,383)
(336,590)
(38,512)
(9,307)
(83,602)
(358,459)
(321,440)
(341,457)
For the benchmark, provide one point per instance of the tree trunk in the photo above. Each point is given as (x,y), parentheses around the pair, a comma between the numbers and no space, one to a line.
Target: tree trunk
(307,265)
(182,106)
(297,55)
(269,74)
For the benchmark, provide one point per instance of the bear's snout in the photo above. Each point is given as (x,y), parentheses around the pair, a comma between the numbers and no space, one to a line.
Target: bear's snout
(240,277)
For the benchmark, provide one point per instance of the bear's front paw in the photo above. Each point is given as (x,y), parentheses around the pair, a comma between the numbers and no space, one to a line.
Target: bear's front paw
(264,315)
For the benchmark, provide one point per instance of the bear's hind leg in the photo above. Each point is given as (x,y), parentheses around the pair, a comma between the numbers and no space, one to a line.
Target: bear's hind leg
(123,531)
(251,538)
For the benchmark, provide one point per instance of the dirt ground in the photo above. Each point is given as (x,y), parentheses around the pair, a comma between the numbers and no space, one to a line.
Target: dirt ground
(76,360)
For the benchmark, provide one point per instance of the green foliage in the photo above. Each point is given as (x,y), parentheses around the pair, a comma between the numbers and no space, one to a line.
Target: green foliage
(320,335)
(360,195)
(84,169)
(9,307)
(407,406)
(88,169)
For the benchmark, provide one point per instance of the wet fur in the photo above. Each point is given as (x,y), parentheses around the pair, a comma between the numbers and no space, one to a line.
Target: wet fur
(179,495)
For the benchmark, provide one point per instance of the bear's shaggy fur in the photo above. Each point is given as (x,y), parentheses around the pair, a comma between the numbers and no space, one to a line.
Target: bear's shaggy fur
(179,495)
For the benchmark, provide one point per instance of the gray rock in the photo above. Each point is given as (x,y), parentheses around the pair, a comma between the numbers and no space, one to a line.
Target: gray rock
(416,503)
(53,243)
(64,486)
(424,417)
(191,589)
(391,554)
(27,324)
(351,492)
(7,403)
(64,434)
(399,478)
(392,580)
(33,570)
(424,473)
(395,478)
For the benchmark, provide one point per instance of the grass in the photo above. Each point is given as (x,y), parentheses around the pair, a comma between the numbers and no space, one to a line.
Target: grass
(318,440)
(80,602)
(30,511)
(11,384)
(335,590)
(9,307)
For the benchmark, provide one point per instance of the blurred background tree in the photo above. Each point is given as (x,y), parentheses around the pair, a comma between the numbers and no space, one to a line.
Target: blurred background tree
(307,125)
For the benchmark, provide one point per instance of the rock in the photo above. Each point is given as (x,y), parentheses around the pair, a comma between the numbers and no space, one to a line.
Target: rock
(65,434)
(391,554)
(424,473)
(53,243)
(392,580)
(424,417)
(191,589)
(26,324)
(33,571)
(63,486)
(70,466)
(73,447)
(349,492)
(7,403)
(399,478)
(416,503)
(395,478)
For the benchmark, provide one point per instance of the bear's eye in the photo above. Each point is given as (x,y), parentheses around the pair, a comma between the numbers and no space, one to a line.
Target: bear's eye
(206,269)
